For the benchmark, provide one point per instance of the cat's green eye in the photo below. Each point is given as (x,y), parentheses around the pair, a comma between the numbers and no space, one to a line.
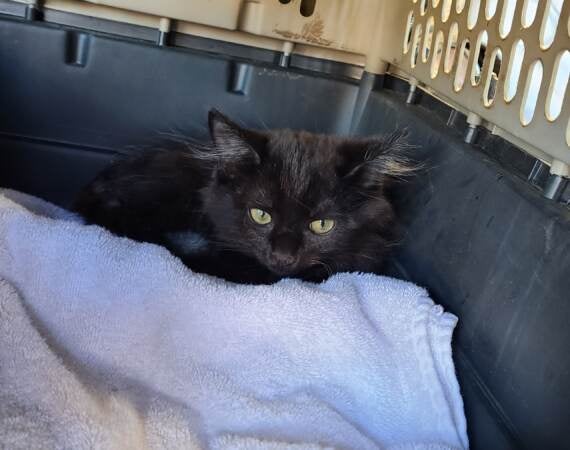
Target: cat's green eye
(321,226)
(259,216)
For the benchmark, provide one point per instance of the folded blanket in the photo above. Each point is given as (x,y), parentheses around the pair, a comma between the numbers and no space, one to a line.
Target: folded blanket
(113,344)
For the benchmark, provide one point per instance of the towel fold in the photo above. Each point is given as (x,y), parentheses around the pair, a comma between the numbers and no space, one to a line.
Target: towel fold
(109,343)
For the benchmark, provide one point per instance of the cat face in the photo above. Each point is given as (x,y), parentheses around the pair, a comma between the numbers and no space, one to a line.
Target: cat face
(296,201)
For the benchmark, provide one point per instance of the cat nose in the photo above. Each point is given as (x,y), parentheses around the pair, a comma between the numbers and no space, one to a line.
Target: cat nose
(283,259)
(284,250)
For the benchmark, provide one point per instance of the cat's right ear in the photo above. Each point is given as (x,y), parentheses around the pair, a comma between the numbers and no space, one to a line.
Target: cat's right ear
(376,161)
(234,143)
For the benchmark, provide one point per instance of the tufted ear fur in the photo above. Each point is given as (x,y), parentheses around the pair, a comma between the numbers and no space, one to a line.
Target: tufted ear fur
(374,162)
(234,144)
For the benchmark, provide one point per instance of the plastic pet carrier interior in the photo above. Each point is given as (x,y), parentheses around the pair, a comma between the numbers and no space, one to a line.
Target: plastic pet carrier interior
(481,86)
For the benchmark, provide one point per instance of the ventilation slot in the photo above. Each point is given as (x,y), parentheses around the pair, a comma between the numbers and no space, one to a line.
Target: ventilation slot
(459,6)
(507,18)
(473,13)
(437,52)
(531,91)
(493,75)
(451,48)
(558,84)
(429,37)
(446,10)
(416,45)
(528,12)
(490,9)
(479,58)
(462,64)
(550,23)
(409,31)
(513,72)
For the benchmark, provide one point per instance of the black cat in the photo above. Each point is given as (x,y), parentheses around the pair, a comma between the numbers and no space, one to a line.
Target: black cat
(257,206)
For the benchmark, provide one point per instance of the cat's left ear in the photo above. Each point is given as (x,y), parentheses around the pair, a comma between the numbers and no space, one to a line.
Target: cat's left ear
(374,162)
(234,143)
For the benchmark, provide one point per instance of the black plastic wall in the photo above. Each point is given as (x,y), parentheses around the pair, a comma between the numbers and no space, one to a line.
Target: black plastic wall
(497,254)
(485,243)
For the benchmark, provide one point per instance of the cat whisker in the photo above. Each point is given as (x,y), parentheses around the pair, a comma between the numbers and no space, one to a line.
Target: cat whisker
(321,263)
(225,246)
(360,255)
(262,122)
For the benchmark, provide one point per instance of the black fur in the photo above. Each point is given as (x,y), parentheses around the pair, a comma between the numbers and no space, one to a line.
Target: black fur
(295,176)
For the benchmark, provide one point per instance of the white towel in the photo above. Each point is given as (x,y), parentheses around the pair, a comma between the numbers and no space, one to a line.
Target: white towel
(109,343)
